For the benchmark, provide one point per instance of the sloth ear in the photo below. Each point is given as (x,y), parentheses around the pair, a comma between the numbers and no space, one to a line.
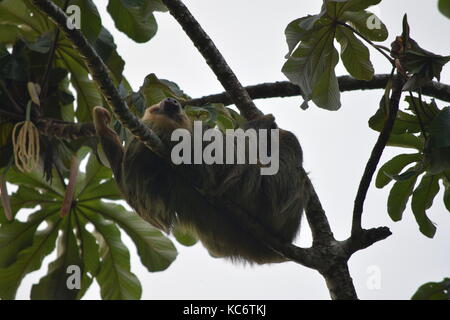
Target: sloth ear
(109,140)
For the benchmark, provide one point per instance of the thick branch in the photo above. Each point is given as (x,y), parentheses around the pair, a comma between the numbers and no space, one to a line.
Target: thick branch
(346,83)
(65,130)
(214,58)
(99,72)
(376,155)
(317,220)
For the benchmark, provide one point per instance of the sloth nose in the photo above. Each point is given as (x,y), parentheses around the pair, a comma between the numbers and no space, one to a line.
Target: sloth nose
(171,106)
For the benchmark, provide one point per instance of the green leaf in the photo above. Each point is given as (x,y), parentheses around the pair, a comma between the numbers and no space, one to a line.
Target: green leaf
(29,259)
(88,95)
(394,167)
(404,123)
(155,90)
(89,247)
(55,285)
(134,18)
(91,23)
(433,291)
(406,140)
(444,7)
(16,13)
(156,251)
(422,200)
(447,191)
(16,236)
(440,129)
(311,66)
(10,33)
(366,23)
(354,54)
(106,48)
(311,63)
(399,196)
(339,7)
(42,44)
(299,30)
(116,280)
(185,237)
(89,182)
(35,180)
(437,150)
(423,65)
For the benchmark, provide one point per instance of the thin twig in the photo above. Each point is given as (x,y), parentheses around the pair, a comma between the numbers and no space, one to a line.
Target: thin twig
(392,62)
(419,117)
(375,156)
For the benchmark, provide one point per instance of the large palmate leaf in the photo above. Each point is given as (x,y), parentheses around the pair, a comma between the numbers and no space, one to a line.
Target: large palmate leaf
(28,260)
(312,56)
(156,251)
(17,235)
(424,127)
(54,286)
(115,278)
(103,257)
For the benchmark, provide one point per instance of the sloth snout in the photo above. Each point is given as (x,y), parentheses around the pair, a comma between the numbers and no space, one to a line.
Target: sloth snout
(171,106)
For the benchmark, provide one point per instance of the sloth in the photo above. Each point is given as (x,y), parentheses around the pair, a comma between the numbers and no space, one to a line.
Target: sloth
(190,196)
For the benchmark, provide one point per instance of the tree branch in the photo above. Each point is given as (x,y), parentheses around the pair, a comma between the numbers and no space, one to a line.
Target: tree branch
(283,89)
(214,58)
(65,130)
(376,155)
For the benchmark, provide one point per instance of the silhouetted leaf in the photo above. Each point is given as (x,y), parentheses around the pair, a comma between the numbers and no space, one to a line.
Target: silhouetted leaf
(399,196)
(433,291)
(444,7)
(394,167)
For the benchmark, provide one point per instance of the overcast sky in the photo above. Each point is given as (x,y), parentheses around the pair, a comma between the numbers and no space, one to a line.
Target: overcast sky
(336,146)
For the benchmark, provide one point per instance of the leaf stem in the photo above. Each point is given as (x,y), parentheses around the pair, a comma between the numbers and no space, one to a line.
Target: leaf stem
(375,46)
(419,117)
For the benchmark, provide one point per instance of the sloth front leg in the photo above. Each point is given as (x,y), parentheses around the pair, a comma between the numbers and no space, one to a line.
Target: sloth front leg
(109,140)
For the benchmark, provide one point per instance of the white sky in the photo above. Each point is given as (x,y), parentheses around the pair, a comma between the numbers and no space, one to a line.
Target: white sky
(336,145)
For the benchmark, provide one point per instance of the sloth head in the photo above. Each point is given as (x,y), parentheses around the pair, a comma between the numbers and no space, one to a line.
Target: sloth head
(166,116)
